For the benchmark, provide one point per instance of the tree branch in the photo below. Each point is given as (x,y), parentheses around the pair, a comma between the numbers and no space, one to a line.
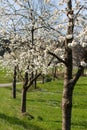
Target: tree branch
(51,61)
(77,75)
(31,82)
(58,58)
(78,12)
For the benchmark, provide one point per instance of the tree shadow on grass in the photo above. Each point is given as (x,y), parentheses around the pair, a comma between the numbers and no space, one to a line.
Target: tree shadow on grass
(17,121)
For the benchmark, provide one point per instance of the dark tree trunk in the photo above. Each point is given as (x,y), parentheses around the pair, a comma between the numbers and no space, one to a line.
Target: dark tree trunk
(43,79)
(55,72)
(68,86)
(32,76)
(14,83)
(24,92)
(67,92)
(35,82)
(69,82)
(67,98)
(66,108)
(26,86)
(23,107)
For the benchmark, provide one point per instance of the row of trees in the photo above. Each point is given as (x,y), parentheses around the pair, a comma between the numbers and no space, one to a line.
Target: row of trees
(34,33)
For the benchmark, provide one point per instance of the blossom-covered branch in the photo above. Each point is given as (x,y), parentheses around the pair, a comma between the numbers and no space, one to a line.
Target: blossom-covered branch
(58,58)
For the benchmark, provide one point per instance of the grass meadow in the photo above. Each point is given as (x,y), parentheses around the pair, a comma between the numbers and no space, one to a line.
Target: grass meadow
(4,77)
(43,107)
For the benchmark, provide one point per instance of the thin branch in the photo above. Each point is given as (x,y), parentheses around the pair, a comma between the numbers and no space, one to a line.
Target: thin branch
(51,61)
(78,12)
(31,82)
(18,14)
(77,75)
(54,55)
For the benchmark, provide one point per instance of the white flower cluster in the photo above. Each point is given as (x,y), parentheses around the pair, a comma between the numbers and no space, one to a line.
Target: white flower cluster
(70,16)
(59,26)
(83,63)
(46,1)
(82,37)
(49,24)
(73,44)
(83,44)
(69,36)
(61,38)
(59,52)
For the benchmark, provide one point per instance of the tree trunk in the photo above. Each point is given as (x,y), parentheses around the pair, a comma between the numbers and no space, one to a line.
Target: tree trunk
(55,72)
(67,98)
(26,86)
(67,92)
(23,104)
(14,83)
(68,85)
(24,93)
(66,107)
(43,79)
(32,76)
(35,82)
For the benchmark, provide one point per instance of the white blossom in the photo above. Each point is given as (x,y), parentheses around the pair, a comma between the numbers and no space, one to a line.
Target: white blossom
(83,63)
(73,44)
(17,28)
(70,36)
(83,44)
(70,16)
(61,38)
(46,1)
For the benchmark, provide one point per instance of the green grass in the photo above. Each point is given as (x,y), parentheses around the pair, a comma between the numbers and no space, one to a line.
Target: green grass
(79,114)
(4,78)
(44,104)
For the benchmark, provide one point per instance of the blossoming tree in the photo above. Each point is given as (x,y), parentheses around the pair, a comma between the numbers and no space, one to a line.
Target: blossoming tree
(27,42)
(71,39)
(63,22)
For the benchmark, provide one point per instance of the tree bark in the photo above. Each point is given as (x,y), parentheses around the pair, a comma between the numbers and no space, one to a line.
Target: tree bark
(14,83)
(23,107)
(35,82)
(43,79)
(68,86)
(55,72)
(67,99)
(67,92)
(26,86)
(66,109)
(24,93)
(69,82)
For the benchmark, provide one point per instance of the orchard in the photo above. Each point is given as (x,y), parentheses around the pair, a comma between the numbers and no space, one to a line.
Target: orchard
(34,34)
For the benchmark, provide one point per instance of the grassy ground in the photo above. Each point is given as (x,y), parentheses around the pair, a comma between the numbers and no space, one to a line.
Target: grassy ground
(79,114)
(4,78)
(43,107)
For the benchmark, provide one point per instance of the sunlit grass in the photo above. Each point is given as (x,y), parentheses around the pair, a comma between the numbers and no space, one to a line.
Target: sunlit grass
(43,107)
(4,78)
(79,114)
